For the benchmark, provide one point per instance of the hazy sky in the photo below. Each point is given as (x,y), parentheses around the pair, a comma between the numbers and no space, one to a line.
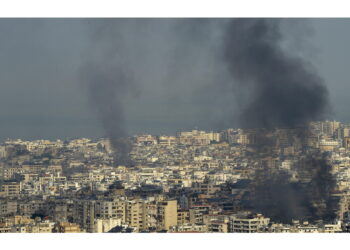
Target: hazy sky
(180,82)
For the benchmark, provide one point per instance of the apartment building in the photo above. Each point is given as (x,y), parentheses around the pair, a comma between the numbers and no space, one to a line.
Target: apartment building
(251,224)
(167,214)
(10,188)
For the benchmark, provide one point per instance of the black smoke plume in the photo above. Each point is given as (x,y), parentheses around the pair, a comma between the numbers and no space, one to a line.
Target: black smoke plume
(284,91)
(108,81)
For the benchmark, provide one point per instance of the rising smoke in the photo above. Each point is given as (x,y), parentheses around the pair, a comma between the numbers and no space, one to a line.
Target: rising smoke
(162,58)
(108,81)
(279,91)
(284,91)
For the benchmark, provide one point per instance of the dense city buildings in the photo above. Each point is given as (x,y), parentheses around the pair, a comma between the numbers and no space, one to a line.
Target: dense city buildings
(195,181)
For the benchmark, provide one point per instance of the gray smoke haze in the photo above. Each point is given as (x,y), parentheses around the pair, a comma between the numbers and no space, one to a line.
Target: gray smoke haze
(40,59)
(144,58)
(284,90)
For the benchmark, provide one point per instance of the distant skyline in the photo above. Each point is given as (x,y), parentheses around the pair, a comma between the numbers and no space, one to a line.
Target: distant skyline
(174,61)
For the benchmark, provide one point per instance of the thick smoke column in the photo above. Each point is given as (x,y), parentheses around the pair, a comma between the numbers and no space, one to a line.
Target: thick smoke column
(283,92)
(106,86)
(108,80)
